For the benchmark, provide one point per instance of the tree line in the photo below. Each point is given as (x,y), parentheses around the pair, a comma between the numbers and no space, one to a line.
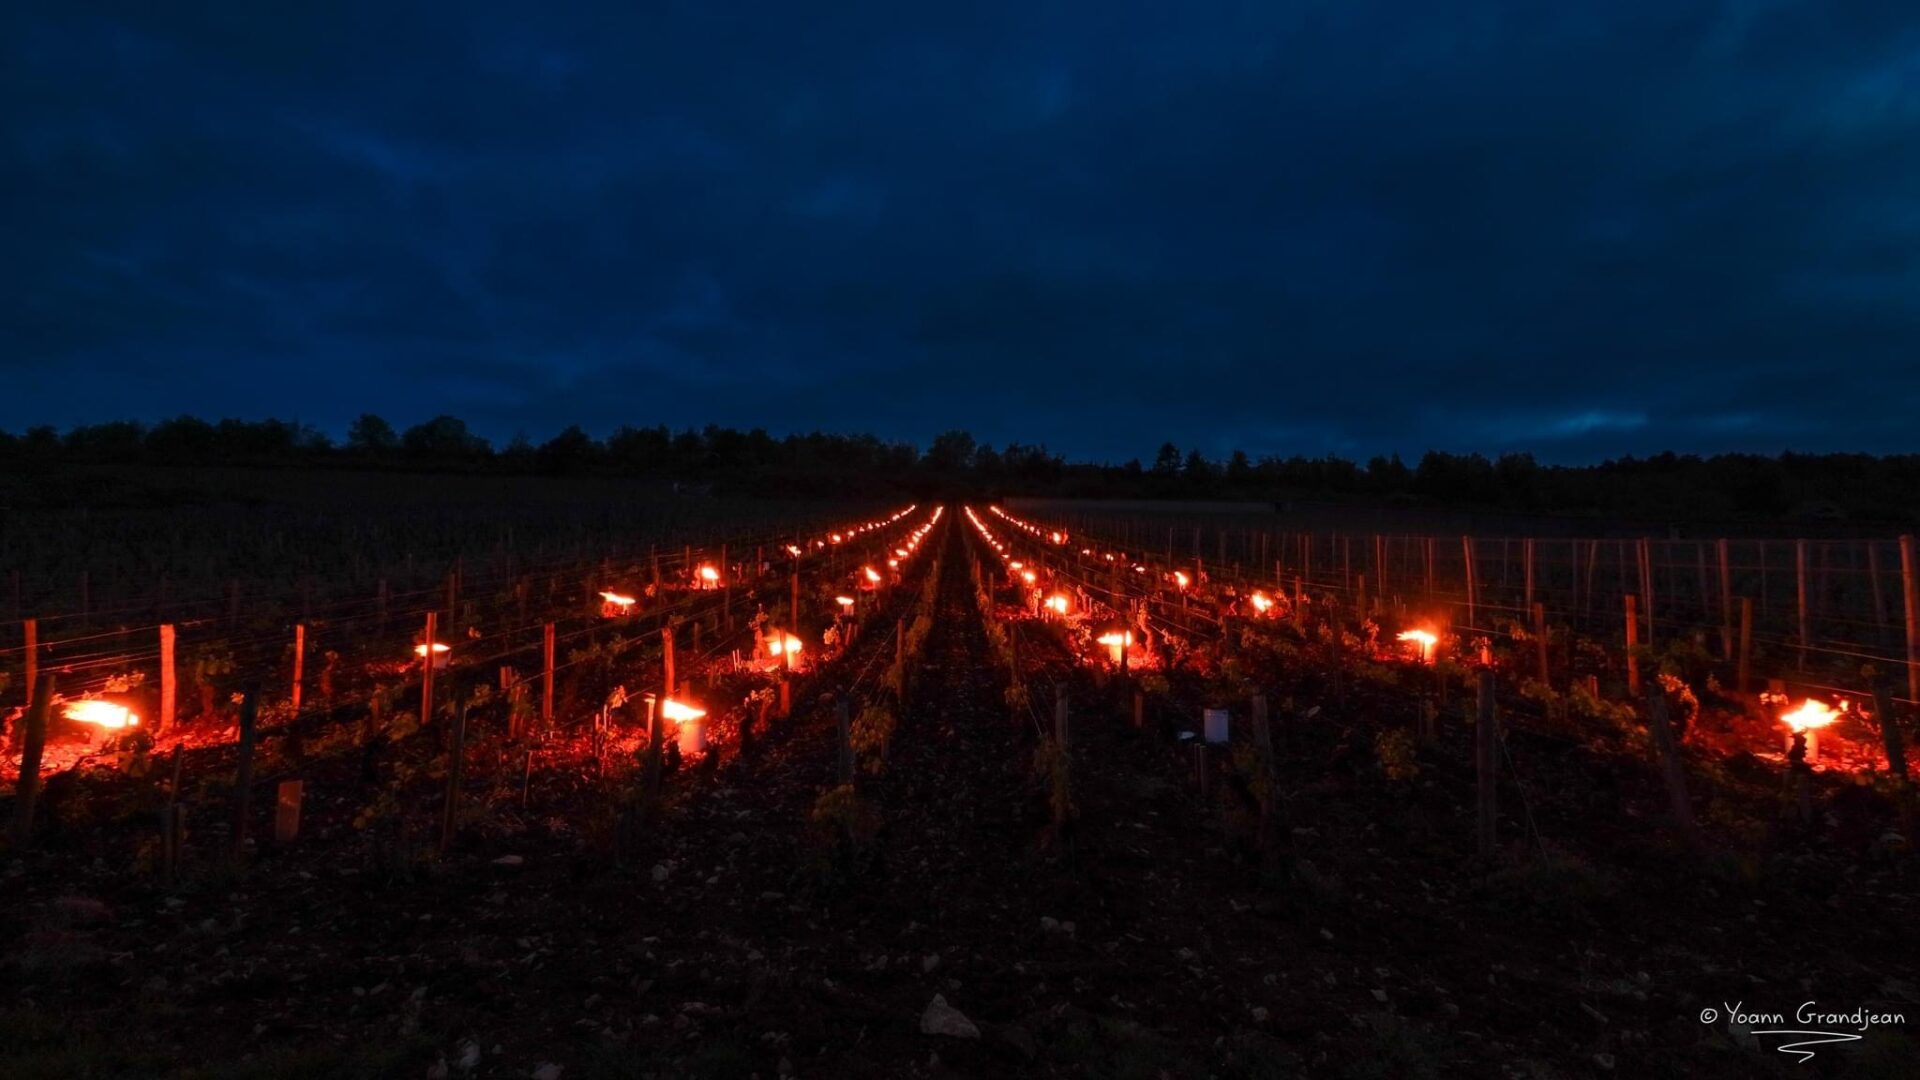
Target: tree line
(1857,486)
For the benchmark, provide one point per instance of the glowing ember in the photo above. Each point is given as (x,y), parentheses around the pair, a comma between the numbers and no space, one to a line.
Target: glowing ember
(1425,639)
(1058,603)
(678,712)
(1809,716)
(100,714)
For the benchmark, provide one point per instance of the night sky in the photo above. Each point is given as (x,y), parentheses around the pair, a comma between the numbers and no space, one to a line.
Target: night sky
(1581,230)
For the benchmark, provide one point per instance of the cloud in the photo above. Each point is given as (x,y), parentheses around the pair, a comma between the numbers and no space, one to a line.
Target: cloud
(1361,228)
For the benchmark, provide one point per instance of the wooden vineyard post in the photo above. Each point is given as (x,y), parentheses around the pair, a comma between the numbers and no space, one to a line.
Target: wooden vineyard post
(1486,764)
(656,734)
(243,769)
(843,742)
(1910,595)
(1540,636)
(1726,600)
(286,811)
(1644,553)
(1379,568)
(1633,646)
(1746,643)
(169,685)
(546,679)
(300,663)
(1670,768)
(1890,728)
(1873,583)
(666,664)
(27,791)
(1800,595)
(793,617)
(1526,555)
(30,628)
(426,675)
(456,757)
(1466,549)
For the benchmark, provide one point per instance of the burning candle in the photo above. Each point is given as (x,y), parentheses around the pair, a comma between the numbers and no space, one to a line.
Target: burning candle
(1262,603)
(1425,641)
(104,714)
(1057,603)
(1116,644)
(1807,720)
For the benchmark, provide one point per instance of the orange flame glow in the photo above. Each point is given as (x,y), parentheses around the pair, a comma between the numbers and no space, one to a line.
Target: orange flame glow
(1426,640)
(1058,603)
(438,647)
(1262,603)
(101,714)
(1810,716)
(679,712)
(617,599)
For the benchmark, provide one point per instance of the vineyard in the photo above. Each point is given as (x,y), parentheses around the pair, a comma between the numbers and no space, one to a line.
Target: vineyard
(938,790)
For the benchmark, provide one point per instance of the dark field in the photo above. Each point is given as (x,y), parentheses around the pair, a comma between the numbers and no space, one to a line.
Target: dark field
(1541,855)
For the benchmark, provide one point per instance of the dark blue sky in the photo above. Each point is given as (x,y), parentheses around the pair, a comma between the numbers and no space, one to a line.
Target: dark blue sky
(1350,227)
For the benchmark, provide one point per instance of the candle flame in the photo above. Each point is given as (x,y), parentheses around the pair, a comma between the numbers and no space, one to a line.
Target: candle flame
(100,714)
(616,598)
(1058,603)
(1810,715)
(678,712)
(1425,638)
(438,647)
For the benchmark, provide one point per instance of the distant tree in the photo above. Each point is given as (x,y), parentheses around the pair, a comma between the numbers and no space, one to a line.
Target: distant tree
(951,452)
(372,435)
(987,462)
(1239,469)
(571,451)
(519,456)
(639,450)
(444,438)
(119,440)
(1167,462)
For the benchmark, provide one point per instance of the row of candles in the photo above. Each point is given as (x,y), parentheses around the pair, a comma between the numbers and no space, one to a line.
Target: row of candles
(112,716)
(1422,643)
